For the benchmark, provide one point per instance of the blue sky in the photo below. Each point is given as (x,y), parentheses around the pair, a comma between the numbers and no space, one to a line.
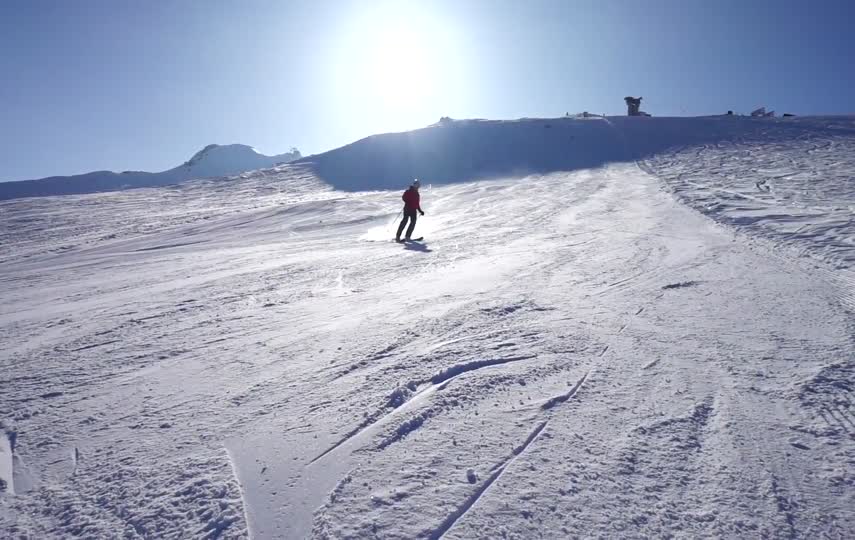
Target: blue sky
(125,85)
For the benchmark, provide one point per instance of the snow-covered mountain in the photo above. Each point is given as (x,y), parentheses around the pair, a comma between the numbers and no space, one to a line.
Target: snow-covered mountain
(212,161)
(476,149)
(749,174)
(623,327)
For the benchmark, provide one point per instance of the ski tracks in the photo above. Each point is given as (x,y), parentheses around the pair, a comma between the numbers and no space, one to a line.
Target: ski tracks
(499,469)
(540,424)
(403,399)
(561,398)
(416,394)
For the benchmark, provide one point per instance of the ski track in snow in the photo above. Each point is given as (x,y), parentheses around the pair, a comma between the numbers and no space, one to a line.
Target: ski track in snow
(449,522)
(571,354)
(795,189)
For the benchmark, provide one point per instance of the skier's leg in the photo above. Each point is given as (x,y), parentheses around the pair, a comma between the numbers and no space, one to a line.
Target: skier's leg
(412,225)
(401,226)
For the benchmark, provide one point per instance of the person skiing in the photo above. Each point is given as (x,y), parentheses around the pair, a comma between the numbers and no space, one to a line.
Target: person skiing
(411,206)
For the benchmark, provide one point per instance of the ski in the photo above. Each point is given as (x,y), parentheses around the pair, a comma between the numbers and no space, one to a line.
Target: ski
(419,239)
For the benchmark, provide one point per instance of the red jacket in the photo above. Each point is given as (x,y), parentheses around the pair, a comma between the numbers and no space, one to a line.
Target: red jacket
(411,200)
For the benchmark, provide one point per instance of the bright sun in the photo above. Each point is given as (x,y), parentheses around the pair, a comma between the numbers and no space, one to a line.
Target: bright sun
(395,64)
(400,67)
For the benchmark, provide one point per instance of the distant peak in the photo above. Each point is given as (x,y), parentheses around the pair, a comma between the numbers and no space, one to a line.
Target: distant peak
(233,149)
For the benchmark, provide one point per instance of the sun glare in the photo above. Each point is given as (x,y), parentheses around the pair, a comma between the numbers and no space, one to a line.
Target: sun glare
(395,64)
(400,67)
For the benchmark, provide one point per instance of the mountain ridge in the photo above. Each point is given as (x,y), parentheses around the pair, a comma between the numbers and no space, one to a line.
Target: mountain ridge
(214,160)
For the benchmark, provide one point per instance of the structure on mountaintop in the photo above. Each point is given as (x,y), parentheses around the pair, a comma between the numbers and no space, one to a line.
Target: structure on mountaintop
(633,106)
(762,112)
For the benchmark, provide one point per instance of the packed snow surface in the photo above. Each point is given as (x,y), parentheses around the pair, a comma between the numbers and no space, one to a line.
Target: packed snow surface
(574,351)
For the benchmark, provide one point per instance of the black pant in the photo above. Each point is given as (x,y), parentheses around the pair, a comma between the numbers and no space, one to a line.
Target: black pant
(408,215)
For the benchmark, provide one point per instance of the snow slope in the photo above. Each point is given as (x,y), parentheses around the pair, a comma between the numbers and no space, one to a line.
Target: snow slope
(791,181)
(785,179)
(213,160)
(465,149)
(572,353)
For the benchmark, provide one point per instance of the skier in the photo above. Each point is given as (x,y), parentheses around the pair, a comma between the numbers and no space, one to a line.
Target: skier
(411,206)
